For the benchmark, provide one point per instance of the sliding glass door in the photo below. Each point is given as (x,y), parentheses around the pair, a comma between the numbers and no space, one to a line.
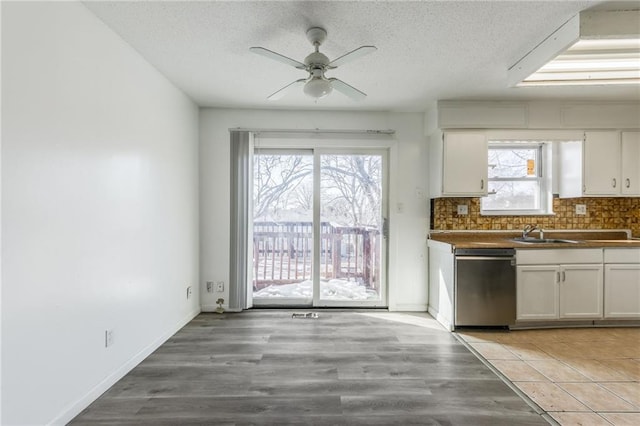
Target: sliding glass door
(283,228)
(318,228)
(350,256)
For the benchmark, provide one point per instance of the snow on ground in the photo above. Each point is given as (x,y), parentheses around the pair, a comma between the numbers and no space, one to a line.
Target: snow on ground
(334,289)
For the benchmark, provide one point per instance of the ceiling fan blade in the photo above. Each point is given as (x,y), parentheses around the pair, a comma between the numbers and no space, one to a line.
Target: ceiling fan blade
(353,55)
(280,93)
(277,57)
(347,90)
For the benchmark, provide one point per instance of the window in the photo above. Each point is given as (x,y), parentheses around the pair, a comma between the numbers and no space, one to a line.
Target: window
(519,181)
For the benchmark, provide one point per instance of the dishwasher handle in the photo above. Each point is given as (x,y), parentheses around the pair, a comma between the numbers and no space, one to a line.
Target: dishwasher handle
(458,258)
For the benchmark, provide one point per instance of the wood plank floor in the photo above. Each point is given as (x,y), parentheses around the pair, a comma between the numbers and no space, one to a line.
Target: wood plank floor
(263,367)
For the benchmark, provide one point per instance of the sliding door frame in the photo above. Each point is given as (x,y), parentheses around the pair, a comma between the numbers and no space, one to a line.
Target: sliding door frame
(383,145)
(289,302)
(382,302)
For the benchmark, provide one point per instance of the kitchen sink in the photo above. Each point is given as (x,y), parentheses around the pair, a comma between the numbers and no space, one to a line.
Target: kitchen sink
(528,240)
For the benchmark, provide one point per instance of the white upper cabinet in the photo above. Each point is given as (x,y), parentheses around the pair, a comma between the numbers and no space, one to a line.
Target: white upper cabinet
(606,164)
(630,184)
(601,163)
(458,164)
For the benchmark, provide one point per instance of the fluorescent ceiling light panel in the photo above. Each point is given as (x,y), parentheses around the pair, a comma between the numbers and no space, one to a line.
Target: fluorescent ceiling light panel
(593,48)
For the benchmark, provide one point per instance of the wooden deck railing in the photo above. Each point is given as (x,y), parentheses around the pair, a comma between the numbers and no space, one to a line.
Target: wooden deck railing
(282,253)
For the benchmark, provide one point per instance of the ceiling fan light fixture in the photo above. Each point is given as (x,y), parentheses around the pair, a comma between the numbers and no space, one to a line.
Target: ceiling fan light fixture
(318,87)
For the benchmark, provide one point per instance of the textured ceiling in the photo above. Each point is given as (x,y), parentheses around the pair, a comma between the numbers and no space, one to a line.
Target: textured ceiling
(427,51)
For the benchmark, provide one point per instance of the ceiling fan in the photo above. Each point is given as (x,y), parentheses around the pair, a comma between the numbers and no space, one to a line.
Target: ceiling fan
(316,63)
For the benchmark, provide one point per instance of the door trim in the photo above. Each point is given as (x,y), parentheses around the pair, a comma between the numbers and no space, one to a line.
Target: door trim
(388,150)
(383,302)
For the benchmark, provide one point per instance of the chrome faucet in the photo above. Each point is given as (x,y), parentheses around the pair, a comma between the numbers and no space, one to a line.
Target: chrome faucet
(530,228)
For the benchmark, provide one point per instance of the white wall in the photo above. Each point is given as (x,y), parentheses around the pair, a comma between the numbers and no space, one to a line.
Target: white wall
(99,212)
(0,227)
(407,245)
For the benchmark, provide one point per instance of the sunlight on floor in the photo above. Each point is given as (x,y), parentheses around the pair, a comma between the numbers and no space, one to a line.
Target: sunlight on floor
(421,320)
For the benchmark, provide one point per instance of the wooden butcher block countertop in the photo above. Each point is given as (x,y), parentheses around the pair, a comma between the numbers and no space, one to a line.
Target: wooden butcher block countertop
(504,239)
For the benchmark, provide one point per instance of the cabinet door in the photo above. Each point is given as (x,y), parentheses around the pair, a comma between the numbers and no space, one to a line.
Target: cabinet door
(581,291)
(622,290)
(537,292)
(601,173)
(630,163)
(571,183)
(465,164)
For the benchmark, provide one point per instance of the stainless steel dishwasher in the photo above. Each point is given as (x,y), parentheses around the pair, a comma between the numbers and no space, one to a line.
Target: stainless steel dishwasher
(485,287)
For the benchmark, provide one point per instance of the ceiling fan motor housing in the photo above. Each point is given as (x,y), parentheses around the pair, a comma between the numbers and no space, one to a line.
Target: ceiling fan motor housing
(316,59)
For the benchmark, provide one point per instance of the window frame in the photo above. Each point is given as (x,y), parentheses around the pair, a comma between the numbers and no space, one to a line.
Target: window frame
(543,178)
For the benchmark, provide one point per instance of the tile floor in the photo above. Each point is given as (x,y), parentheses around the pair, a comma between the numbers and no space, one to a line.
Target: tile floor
(579,376)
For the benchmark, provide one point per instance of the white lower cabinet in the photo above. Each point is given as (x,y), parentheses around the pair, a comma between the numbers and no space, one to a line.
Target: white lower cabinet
(537,292)
(622,284)
(552,291)
(580,291)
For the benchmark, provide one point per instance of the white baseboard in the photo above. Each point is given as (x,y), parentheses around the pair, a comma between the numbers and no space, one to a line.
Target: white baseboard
(212,308)
(440,318)
(76,408)
(408,307)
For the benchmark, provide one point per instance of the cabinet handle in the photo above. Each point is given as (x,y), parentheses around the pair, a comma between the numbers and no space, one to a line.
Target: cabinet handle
(481,183)
(614,182)
(564,276)
(557,277)
(627,183)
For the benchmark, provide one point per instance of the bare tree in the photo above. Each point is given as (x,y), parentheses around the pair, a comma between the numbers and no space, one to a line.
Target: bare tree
(303,196)
(350,189)
(275,177)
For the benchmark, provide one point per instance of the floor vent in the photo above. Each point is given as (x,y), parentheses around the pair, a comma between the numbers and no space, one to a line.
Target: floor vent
(308,315)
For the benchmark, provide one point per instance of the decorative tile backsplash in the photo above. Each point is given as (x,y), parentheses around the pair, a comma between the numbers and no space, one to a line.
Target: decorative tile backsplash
(602,213)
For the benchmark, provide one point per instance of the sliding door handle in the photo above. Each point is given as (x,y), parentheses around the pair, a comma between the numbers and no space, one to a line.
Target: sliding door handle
(385,228)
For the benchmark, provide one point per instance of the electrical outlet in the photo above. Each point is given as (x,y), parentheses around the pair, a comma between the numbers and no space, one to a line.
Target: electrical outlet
(189,292)
(209,286)
(108,338)
(220,286)
(463,209)
(581,209)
